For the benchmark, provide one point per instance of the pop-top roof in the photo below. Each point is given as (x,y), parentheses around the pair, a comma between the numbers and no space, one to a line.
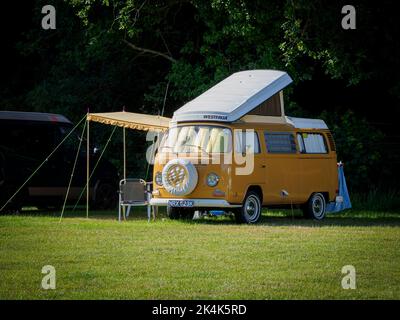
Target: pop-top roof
(232,98)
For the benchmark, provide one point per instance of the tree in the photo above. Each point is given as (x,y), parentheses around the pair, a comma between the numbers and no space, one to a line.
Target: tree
(135,53)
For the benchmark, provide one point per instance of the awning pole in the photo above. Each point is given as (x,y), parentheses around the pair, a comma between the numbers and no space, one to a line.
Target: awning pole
(124,152)
(94,169)
(87,170)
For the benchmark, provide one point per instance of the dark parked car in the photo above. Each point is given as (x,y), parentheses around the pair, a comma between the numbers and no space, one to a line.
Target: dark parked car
(26,139)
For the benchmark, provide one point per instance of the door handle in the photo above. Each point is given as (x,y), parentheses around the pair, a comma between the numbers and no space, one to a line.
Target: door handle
(263,166)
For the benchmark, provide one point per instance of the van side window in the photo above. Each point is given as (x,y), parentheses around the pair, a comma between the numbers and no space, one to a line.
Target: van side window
(280,142)
(311,143)
(300,142)
(246,141)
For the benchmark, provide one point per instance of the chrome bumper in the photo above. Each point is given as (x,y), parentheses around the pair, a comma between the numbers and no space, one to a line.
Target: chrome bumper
(216,203)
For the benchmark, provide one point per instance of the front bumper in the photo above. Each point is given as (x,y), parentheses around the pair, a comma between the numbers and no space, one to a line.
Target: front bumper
(203,203)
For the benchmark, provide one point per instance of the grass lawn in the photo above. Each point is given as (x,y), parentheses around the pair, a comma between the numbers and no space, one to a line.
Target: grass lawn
(283,257)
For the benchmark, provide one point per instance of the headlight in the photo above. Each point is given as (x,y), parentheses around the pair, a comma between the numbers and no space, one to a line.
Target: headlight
(212,180)
(159,178)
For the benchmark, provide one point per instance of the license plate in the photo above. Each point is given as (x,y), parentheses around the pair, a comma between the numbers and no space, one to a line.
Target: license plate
(180,203)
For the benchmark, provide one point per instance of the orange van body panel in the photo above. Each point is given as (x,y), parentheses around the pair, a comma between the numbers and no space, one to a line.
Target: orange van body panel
(299,174)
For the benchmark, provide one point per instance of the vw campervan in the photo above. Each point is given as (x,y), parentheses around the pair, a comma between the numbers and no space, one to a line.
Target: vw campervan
(233,149)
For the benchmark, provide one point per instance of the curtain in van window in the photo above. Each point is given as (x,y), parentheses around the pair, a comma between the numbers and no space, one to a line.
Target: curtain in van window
(207,138)
(219,140)
(202,138)
(183,139)
(238,141)
(314,143)
(300,143)
(213,139)
(250,144)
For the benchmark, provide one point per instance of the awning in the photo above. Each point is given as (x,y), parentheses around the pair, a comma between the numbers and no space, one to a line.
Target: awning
(138,121)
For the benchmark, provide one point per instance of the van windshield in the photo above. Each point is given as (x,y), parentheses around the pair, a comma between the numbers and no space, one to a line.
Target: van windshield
(197,139)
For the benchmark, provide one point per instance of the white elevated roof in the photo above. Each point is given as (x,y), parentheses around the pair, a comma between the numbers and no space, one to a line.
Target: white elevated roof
(305,123)
(232,98)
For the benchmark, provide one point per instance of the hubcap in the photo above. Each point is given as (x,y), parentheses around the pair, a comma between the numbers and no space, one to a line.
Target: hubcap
(318,207)
(252,208)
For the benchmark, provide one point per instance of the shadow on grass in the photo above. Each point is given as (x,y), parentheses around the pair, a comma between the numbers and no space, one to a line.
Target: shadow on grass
(69,213)
(350,218)
(331,221)
(285,218)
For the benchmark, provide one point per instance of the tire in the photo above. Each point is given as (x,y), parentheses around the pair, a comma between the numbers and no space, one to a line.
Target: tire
(187,213)
(173,213)
(250,212)
(105,197)
(315,207)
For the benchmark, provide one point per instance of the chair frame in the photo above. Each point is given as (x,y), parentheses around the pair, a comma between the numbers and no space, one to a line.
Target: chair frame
(147,191)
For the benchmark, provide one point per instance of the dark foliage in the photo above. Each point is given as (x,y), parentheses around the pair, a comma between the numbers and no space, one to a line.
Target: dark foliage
(108,54)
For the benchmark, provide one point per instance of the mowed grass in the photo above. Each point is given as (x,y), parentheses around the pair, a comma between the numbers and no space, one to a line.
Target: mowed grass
(283,257)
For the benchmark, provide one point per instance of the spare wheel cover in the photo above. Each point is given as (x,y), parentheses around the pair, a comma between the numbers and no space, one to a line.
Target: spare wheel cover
(179,177)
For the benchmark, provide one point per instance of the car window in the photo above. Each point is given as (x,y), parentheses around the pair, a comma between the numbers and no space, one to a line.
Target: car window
(11,136)
(40,140)
(280,142)
(27,139)
(197,138)
(300,142)
(246,141)
(312,143)
(72,142)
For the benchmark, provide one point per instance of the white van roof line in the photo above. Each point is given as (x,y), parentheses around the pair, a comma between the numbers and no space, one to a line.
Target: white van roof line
(233,97)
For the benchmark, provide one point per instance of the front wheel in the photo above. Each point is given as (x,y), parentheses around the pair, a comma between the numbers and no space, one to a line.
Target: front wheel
(173,212)
(187,213)
(315,207)
(250,212)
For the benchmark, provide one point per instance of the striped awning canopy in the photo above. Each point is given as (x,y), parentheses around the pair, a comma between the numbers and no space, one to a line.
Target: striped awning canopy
(137,121)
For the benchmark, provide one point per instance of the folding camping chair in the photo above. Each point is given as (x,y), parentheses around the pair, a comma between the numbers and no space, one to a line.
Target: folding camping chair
(134,193)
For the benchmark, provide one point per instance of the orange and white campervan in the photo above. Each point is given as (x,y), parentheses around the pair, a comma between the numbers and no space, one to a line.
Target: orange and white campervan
(233,149)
